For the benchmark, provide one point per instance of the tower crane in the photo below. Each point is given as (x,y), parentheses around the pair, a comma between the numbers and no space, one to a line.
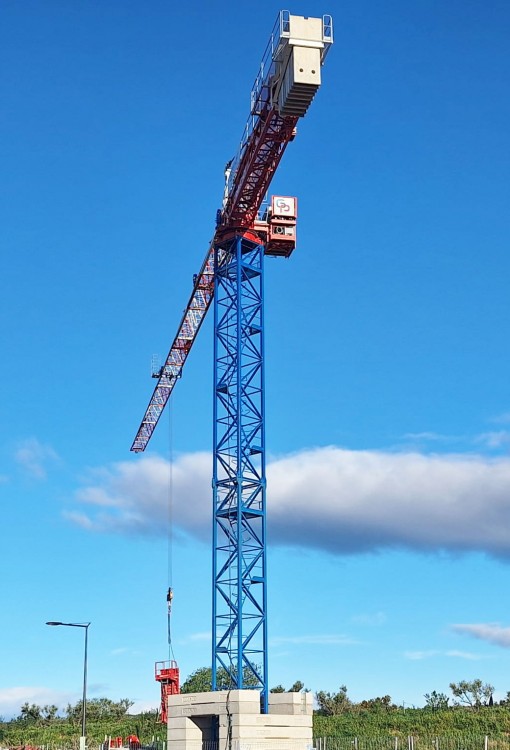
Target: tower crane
(232,275)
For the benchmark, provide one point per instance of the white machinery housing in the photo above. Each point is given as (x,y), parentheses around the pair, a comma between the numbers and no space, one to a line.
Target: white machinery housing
(304,43)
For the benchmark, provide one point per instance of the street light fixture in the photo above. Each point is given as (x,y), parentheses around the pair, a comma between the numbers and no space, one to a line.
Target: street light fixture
(84,625)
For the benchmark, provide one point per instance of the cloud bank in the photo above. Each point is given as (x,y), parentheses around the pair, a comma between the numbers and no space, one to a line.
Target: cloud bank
(491,633)
(342,501)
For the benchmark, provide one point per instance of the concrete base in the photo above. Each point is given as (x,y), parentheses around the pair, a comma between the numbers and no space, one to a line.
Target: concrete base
(232,718)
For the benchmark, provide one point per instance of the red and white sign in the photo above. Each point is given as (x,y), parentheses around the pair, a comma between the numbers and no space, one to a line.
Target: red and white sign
(282,205)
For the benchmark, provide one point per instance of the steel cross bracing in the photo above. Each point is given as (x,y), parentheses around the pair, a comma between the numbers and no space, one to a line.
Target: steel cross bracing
(239,482)
(256,170)
(258,164)
(188,328)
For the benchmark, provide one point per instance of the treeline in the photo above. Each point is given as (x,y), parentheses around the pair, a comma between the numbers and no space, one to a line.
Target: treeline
(466,718)
(41,725)
(97,709)
(470,711)
(473,694)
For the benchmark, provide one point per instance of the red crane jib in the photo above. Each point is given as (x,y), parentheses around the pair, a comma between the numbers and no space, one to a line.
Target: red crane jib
(288,78)
(256,168)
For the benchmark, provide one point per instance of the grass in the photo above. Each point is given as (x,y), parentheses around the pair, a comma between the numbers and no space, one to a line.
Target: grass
(449,729)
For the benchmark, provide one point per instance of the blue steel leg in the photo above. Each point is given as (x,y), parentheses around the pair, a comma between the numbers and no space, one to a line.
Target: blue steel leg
(239,478)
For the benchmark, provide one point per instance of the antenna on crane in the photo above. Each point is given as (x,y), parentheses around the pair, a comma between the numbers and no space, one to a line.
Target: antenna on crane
(232,274)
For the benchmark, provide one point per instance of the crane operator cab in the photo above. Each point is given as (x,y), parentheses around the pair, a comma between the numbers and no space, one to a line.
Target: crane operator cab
(278,226)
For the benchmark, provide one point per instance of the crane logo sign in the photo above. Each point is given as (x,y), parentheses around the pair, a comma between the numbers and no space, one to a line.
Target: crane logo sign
(284,206)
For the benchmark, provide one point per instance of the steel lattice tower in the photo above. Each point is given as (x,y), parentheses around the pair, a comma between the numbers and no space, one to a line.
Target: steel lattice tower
(239,481)
(247,228)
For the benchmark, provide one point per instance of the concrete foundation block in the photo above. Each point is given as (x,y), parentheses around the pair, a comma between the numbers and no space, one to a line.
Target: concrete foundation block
(210,709)
(184,729)
(267,720)
(214,704)
(218,696)
(291,703)
(186,744)
(233,716)
(266,733)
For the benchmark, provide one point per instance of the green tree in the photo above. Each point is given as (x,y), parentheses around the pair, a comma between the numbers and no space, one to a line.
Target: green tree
(200,681)
(49,713)
(472,693)
(98,709)
(331,704)
(436,701)
(383,703)
(297,687)
(30,713)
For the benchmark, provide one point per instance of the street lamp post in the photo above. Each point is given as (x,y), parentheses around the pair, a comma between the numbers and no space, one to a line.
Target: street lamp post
(84,625)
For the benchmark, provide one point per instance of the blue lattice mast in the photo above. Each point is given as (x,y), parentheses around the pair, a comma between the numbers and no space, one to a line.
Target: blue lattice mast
(239,481)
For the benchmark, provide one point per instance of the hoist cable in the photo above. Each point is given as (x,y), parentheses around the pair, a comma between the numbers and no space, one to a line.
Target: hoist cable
(170,533)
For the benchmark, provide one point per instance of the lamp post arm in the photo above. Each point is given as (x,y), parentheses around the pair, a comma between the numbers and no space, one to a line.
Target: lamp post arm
(84,708)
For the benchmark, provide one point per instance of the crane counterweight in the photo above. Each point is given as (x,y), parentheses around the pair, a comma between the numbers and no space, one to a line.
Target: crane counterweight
(299,64)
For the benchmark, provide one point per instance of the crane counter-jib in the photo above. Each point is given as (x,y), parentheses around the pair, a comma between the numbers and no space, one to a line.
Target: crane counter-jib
(289,76)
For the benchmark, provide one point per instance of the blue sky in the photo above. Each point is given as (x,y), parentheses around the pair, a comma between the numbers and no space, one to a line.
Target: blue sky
(388,402)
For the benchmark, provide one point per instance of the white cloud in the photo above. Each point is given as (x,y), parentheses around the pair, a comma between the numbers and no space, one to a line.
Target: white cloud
(342,501)
(421,655)
(501,418)
(34,457)
(494,440)
(497,439)
(81,519)
(490,632)
(139,707)
(11,699)
(463,655)
(429,436)
(142,497)
(314,640)
(204,636)
(377,618)
(360,501)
